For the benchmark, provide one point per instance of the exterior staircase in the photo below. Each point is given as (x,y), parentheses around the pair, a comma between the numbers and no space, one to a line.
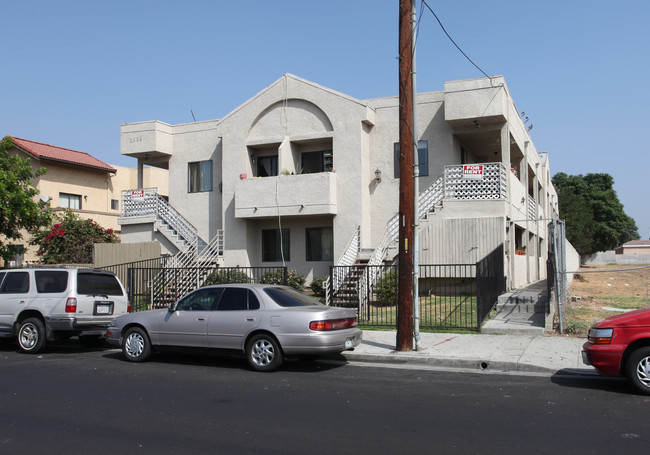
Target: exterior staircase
(520,312)
(195,259)
(353,258)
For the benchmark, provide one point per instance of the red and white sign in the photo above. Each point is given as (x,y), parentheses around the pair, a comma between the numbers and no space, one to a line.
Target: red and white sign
(137,195)
(473,171)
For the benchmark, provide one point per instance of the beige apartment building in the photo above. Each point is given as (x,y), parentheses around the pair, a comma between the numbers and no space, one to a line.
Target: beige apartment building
(79,182)
(305,176)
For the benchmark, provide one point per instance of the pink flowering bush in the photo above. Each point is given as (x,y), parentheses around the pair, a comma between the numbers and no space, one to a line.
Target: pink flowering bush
(70,240)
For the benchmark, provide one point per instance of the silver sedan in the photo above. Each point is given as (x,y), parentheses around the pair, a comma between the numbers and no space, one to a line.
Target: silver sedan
(266,322)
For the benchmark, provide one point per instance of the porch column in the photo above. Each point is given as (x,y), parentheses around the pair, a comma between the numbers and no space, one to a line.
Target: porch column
(537,236)
(524,181)
(140,173)
(505,159)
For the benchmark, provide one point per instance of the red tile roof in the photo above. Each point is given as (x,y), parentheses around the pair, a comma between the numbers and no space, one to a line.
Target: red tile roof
(48,152)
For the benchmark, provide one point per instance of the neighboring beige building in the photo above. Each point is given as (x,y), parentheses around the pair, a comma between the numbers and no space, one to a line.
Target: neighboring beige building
(634,247)
(80,182)
(305,176)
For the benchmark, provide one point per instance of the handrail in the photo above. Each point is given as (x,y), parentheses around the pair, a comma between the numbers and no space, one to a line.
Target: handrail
(147,202)
(349,257)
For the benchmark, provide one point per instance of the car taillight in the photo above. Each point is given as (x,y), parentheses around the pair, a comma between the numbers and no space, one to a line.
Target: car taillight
(71,305)
(128,308)
(333,324)
(600,336)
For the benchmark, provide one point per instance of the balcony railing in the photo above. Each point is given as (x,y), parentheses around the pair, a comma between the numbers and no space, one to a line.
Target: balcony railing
(147,202)
(486,181)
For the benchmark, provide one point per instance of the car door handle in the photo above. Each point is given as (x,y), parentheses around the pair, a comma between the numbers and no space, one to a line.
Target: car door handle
(200,319)
(250,319)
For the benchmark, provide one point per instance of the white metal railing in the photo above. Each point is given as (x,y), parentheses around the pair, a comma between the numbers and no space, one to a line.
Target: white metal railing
(191,262)
(532,208)
(190,266)
(491,184)
(427,200)
(349,257)
(147,202)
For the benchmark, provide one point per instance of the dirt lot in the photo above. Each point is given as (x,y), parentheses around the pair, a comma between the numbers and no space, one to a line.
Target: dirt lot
(594,296)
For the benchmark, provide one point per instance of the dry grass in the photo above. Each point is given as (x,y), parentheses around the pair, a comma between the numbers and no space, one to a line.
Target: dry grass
(611,290)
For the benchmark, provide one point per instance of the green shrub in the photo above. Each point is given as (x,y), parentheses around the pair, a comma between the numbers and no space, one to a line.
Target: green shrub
(227,276)
(318,286)
(386,289)
(294,279)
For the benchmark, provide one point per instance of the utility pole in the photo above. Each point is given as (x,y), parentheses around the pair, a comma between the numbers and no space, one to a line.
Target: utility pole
(406,188)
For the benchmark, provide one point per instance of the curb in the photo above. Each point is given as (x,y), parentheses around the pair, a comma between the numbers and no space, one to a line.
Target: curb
(488,366)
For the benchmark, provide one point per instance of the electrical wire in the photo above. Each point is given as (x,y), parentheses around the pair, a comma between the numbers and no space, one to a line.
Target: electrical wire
(452,40)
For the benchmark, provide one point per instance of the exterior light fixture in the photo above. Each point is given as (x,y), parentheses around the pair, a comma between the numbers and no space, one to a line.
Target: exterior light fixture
(378,175)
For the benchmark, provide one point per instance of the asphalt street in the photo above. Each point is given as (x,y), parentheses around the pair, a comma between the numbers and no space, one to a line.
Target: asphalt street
(73,400)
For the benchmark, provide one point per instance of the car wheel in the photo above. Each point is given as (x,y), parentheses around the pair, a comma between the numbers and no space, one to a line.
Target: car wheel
(136,345)
(264,353)
(91,341)
(637,369)
(31,336)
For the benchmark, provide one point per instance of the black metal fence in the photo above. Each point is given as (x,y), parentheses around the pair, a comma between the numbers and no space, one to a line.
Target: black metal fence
(151,284)
(451,296)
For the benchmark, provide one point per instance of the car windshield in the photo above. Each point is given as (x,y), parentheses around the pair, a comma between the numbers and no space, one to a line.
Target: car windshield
(288,297)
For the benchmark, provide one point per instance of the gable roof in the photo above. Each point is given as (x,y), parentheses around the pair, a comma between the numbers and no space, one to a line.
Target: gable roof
(47,152)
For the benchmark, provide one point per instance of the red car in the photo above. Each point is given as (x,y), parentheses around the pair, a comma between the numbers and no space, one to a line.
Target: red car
(620,346)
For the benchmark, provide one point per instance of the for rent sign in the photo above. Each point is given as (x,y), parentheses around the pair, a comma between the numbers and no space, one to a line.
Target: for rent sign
(137,195)
(473,171)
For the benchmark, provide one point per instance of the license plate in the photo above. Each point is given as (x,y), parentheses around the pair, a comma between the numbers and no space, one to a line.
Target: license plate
(103,307)
(349,343)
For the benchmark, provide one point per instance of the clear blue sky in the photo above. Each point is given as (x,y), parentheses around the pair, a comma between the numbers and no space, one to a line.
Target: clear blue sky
(74,71)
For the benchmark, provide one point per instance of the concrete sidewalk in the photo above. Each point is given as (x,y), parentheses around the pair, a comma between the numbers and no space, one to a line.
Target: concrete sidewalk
(492,353)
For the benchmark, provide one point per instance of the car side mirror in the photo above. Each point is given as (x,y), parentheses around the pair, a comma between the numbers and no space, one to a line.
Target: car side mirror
(172,306)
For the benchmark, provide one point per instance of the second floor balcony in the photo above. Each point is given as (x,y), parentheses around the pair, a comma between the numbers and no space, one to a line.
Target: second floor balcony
(286,195)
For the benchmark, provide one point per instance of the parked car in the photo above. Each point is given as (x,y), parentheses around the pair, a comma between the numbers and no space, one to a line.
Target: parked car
(265,322)
(43,304)
(620,346)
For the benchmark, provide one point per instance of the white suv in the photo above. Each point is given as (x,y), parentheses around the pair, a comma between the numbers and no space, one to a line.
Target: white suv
(47,304)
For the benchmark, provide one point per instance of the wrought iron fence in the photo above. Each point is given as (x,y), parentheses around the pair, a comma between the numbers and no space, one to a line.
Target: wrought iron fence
(138,278)
(175,281)
(454,296)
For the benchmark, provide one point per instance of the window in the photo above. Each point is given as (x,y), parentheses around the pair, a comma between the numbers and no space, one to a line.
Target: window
(98,283)
(70,201)
(51,281)
(313,162)
(267,166)
(423,158)
(199,176)
(287,297)
(238,299)
(15,283)
(115,204)
(275,248)
(320,244)
(201,300)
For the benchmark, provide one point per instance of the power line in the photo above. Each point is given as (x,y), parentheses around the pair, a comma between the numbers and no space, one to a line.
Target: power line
(452,40)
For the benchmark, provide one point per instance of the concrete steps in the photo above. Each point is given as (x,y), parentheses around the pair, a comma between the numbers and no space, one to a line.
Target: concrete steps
(520,312)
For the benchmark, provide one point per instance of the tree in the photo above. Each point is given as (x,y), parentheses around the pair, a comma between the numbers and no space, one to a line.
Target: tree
(70,240)
(594,216)
(18,209)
